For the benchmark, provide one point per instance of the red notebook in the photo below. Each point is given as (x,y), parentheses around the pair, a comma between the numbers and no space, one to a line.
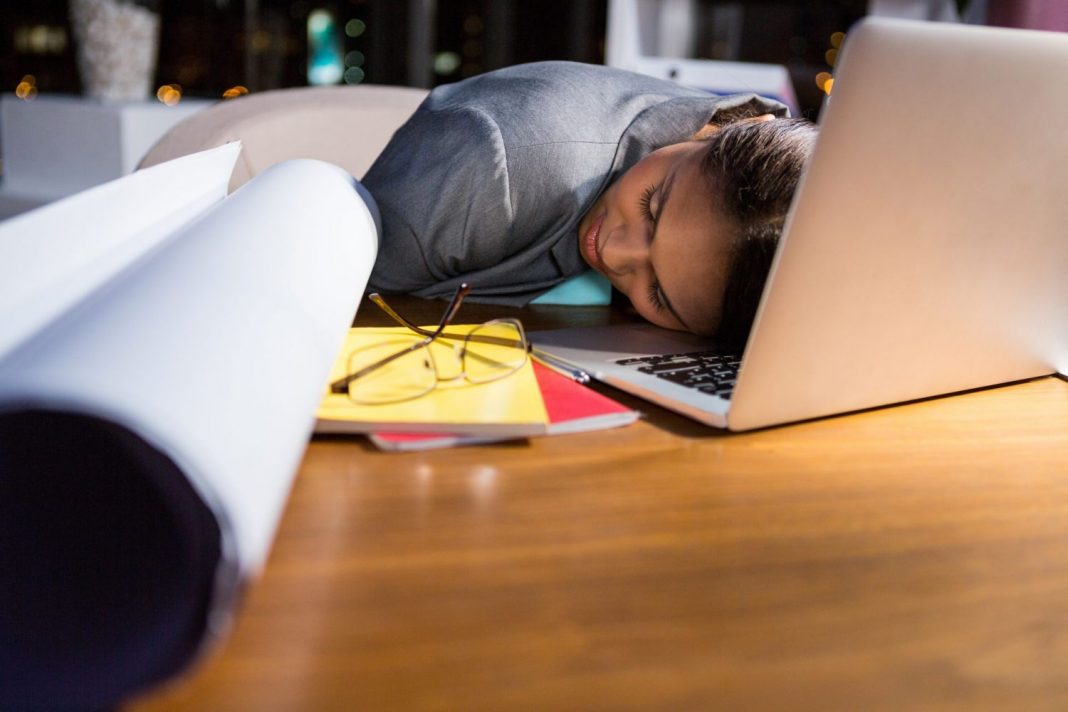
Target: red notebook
(572,408)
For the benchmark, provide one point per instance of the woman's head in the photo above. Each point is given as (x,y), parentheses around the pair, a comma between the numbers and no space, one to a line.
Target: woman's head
(688,232)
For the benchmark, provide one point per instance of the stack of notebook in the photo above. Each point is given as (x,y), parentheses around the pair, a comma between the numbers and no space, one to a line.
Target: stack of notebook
(536,400)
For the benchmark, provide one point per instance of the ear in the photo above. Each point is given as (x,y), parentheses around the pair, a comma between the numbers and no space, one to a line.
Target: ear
(705,132)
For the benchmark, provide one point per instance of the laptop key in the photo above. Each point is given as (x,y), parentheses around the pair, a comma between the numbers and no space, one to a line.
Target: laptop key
(686,378)
(707,371)
(668,367)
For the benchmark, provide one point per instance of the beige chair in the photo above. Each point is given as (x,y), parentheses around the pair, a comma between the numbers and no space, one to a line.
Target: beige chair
(345,125)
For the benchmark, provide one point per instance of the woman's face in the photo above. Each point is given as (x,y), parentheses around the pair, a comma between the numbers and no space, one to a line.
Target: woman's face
(655,235)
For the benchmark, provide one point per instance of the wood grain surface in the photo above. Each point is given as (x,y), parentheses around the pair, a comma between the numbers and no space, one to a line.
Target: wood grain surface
(913,557)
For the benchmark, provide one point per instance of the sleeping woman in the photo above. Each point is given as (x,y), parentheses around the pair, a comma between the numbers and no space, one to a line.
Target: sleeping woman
(516,180)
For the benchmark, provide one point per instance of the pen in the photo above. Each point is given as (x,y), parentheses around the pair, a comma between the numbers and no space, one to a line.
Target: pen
(562,367)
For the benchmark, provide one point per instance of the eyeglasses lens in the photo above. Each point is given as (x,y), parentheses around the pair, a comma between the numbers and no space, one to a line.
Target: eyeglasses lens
(406,377)
(494,350)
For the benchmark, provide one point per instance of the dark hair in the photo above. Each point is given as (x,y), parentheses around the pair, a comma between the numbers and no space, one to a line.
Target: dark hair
(754,168)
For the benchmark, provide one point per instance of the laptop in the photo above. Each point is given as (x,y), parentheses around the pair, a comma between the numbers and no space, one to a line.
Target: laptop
(926,251)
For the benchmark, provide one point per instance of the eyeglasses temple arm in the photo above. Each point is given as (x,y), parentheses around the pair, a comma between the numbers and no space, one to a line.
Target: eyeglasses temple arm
(446,318)
(341,385)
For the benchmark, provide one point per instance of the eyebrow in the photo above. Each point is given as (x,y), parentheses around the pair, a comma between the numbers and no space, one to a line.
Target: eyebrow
(665,193)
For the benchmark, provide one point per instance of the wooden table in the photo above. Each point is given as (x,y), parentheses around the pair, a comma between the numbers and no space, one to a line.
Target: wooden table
(908,557)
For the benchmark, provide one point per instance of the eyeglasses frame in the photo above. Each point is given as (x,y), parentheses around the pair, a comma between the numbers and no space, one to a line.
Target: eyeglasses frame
(341,385)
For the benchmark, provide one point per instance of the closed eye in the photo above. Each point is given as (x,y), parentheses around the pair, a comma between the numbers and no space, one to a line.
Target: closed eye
(645,202)
(658,299)
(655,299)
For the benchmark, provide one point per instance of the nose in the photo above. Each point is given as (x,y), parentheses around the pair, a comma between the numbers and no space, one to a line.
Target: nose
(626,250)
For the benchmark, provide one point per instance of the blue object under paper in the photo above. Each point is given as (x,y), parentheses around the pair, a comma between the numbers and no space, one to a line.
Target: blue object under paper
(588,288)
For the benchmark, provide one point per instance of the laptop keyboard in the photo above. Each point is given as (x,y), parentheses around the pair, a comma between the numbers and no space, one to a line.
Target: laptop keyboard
(710,372)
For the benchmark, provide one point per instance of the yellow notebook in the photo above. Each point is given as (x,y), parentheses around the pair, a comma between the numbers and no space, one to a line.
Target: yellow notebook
(510,406)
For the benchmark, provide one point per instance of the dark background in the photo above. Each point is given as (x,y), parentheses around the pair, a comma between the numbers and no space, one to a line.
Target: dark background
(203,42)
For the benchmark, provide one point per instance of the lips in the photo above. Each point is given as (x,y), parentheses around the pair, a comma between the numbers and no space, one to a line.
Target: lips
(591,243)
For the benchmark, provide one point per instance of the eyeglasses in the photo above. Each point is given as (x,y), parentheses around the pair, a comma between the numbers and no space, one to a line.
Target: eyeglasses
(404,367)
